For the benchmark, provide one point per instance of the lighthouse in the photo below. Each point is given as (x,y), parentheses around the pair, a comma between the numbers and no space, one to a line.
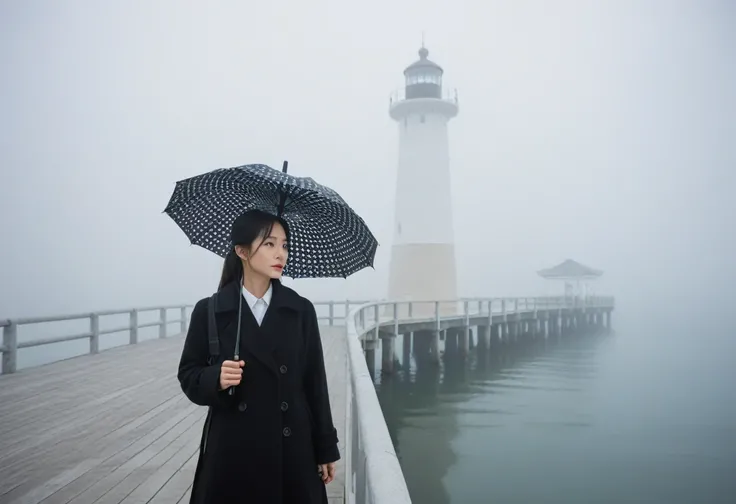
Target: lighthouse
(423,252)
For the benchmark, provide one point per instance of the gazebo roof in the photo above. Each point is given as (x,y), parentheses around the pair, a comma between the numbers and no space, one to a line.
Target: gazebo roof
(570,269)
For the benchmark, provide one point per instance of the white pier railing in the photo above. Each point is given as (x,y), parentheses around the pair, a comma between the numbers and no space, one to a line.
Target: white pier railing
(93,329)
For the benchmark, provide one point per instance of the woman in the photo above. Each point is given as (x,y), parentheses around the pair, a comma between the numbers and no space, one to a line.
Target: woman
(271,439)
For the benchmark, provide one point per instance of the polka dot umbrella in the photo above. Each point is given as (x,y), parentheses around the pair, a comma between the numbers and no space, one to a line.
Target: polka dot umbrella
(327,238)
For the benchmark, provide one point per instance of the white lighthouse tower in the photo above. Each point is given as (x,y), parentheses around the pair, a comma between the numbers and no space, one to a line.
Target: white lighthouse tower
(423,252)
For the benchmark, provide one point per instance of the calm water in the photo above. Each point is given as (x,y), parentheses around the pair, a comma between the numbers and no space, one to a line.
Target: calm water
(644,415)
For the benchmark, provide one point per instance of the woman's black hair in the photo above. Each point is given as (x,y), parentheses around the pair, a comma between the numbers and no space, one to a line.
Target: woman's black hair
(246,229)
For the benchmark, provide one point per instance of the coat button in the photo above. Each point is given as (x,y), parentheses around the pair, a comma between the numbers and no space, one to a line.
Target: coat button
(282,369)
(284,406)
(287,432)
(242,406)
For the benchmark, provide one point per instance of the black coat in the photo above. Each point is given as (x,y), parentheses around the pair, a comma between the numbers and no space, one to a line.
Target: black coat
(264,442)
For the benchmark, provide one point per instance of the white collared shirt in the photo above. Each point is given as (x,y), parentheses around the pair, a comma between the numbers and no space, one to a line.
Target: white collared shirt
(258,305)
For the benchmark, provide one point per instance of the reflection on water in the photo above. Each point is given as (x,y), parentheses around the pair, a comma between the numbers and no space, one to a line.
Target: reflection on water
(576,420)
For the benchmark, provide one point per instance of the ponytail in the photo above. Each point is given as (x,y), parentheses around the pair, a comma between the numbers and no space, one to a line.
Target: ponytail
(232,269)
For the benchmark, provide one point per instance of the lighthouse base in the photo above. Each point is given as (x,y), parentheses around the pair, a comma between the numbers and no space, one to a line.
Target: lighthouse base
(423,272)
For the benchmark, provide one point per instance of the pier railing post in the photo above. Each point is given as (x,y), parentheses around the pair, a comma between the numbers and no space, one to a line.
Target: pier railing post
(94,329)
(332,313)
(183,320)
(376,314)
(133,327)
(437,315)
(490,312)
(10,342)
(162,323)
(466,328)
(396,319)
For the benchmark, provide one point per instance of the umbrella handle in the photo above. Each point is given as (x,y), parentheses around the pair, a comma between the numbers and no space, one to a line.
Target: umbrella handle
(236,357)
(231,390)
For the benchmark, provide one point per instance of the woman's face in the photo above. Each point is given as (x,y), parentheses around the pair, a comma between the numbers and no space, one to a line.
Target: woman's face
(267,255)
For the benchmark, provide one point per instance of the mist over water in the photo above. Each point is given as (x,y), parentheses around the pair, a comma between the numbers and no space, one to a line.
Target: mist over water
(646,414)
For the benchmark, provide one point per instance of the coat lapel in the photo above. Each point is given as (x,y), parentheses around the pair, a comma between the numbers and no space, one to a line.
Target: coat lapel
(260,341)
(276,325)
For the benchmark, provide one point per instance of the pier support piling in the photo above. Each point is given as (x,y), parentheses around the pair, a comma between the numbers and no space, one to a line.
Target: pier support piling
(406,350)
(388,345)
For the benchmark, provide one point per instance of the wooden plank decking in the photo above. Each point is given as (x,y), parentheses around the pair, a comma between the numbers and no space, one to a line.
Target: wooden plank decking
(115,427)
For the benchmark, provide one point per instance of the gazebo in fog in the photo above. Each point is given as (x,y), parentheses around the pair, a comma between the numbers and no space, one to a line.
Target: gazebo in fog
(576,277)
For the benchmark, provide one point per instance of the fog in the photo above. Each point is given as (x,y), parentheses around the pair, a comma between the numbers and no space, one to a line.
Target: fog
(598,131)
(601,131)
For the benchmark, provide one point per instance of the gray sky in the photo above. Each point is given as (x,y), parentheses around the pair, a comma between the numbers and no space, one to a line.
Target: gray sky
(596,130)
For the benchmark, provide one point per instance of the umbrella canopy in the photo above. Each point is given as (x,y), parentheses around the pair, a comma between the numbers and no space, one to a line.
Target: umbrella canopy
(327,238)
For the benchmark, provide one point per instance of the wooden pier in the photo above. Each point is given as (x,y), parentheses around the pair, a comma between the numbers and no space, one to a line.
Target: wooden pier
(460,324)
(114,426)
